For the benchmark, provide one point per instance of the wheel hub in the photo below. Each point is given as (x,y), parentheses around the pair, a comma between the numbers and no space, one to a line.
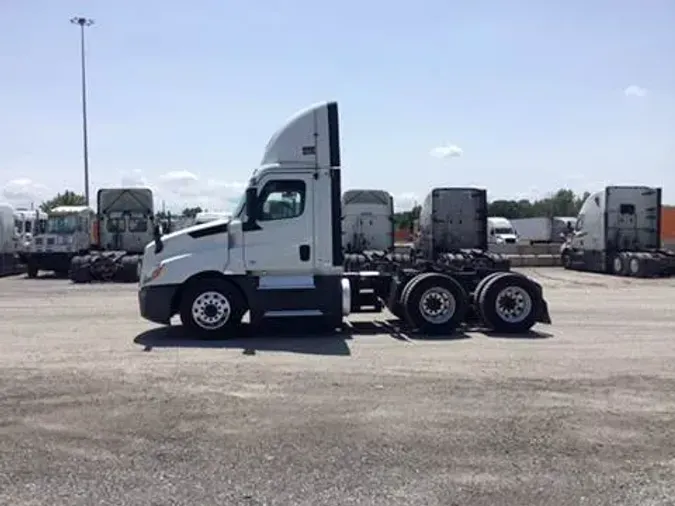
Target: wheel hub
(437,305)
(211,310)
(513,304)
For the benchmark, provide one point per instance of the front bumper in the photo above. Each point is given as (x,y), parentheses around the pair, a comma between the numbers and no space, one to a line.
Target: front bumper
(155,303)
(58,261)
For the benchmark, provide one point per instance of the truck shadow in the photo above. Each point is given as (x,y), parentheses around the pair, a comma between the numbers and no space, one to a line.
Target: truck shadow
(288,338)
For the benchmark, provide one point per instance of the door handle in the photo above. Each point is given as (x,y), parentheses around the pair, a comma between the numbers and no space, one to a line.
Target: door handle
(304,252)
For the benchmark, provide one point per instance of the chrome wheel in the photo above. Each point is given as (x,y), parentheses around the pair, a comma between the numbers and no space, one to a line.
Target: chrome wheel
(211,310)
(437,305)
(513,304)
(618,264)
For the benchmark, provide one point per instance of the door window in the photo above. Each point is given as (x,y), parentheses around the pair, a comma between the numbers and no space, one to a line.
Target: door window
(282,200)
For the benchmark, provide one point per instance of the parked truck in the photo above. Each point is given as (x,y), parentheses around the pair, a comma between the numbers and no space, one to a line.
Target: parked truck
(281,256)
(500,231)
(8,243)
(96,246)
(67,233)
(28,223)
(124,225)
(618,231)
(367,221)
(544,230)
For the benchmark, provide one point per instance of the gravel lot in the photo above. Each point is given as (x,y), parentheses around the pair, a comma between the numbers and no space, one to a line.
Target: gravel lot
(100,407)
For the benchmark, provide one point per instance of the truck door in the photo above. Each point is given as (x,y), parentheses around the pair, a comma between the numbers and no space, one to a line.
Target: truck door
(283,241)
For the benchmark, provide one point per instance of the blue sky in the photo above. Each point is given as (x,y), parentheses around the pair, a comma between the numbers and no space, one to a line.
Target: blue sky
(184,96)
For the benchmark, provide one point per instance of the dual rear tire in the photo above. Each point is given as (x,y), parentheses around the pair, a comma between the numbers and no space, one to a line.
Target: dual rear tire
(434,303)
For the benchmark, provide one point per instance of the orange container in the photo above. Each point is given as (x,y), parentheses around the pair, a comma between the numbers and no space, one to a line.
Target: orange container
(668,223)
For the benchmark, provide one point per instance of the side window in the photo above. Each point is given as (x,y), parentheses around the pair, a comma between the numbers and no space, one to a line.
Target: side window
(580,223)
(282,200)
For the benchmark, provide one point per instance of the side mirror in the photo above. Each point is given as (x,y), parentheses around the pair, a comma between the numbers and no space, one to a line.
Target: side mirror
(251,204)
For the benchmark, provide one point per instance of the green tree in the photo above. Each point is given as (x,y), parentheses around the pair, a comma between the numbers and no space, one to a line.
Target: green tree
(191,212)
(67,198)
(564,202)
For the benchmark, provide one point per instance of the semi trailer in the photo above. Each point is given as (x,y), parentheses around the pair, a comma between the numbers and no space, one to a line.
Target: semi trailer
(618,231)
(544,230)
(281,255)
(8,244)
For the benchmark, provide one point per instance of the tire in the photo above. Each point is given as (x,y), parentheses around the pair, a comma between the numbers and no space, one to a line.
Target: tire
(32,270)
(79,270)
(201,303)
(481,285)
(421,300)
(502,290)
(637,265)
(619,265)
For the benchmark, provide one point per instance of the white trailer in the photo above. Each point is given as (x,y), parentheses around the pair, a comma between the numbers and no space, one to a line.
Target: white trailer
(542,230)
(8,243)
(281,256)
(618,231)
(367,221)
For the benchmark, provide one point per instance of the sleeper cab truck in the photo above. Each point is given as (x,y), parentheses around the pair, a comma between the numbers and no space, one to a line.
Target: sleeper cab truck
(618,231)
(281,256)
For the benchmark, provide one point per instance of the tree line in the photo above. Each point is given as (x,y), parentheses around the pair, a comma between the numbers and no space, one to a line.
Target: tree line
(561,203)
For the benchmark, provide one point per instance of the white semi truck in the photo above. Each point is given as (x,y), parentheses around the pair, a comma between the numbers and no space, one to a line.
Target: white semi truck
(67,233)
(367,221)
(281,255)
(618,231)
(96,246)
(501,231)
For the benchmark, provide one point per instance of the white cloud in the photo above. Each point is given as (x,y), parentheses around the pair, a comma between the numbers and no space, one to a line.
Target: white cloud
(405,201)
(635,91)
(24,191)
(446,151)
(184,188)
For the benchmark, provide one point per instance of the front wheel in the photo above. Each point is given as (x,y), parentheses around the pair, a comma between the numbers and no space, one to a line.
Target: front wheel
(211,307)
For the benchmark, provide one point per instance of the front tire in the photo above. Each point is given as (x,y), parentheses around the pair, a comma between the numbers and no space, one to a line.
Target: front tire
(211,308)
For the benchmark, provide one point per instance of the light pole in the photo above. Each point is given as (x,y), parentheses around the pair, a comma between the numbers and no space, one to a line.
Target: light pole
(82,22)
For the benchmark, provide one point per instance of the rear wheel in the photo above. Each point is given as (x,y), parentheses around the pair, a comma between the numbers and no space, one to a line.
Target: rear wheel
(211,307)
(434,303)
(619,265)
(509,303)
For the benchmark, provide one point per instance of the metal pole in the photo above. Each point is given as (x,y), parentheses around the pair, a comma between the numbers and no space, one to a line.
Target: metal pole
(82,22)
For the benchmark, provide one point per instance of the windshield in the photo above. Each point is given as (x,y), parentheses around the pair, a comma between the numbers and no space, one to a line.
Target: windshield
(61,224)
(503,231)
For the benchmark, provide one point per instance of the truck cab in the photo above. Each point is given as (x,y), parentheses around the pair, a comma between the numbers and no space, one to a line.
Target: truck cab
(281,251)
(618,231)
(501,231)
(67,232)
